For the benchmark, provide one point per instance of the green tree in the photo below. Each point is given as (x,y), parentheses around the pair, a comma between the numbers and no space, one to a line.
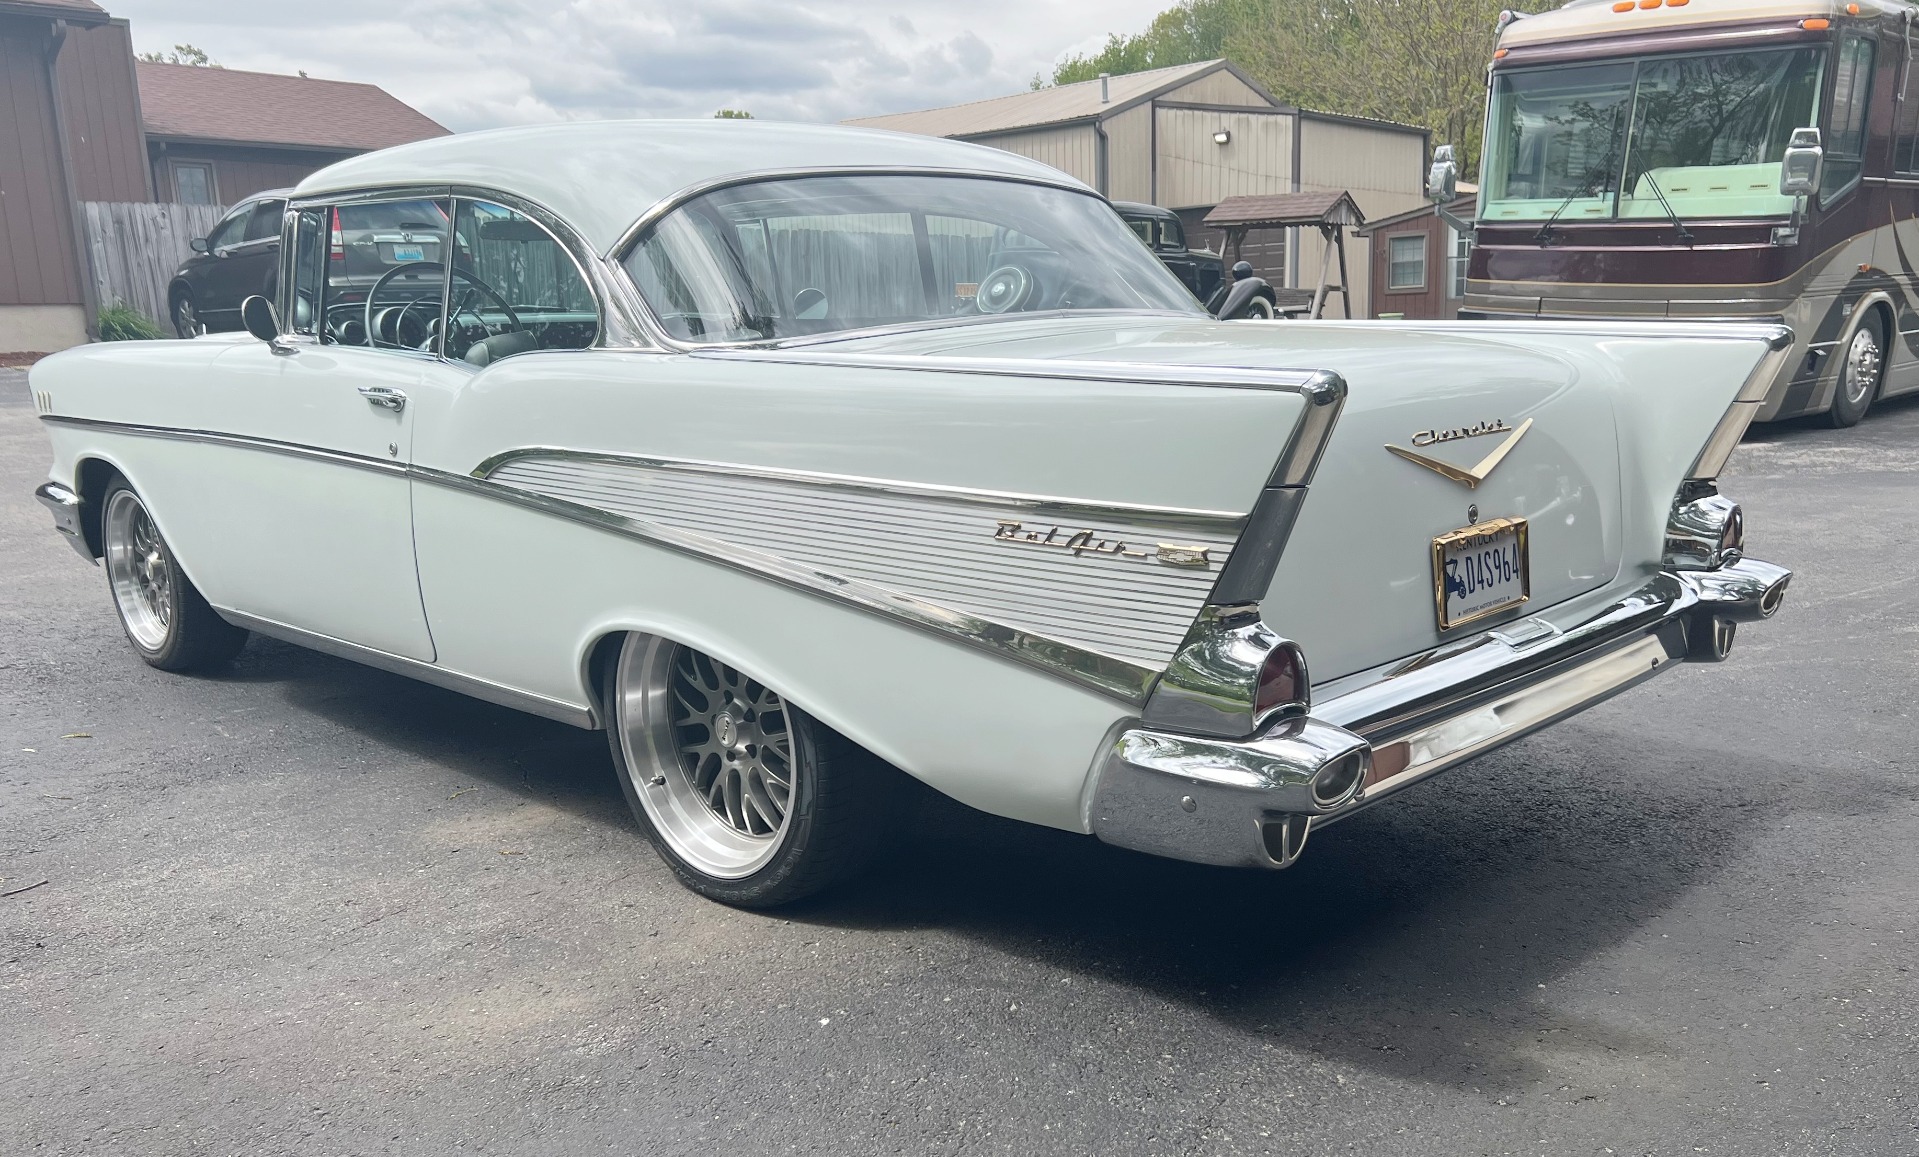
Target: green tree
(733,114)
(182,54)
(1193,30)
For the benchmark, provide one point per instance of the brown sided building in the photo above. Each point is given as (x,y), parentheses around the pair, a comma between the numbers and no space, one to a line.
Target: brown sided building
(81,121)
(216,135)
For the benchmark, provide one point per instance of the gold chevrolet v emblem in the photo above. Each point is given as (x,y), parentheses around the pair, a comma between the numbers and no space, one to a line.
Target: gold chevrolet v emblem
(1469,477)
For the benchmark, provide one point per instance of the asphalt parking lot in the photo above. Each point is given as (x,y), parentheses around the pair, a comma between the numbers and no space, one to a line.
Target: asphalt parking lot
(306,907)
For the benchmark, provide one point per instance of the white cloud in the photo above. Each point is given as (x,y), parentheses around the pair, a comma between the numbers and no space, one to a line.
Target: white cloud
(480,63)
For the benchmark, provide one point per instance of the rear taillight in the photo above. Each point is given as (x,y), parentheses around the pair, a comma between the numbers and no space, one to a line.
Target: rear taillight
(338,252)
(1282,683)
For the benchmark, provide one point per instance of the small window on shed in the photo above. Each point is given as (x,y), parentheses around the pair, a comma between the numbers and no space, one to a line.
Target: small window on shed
(1406,261)
(193,184)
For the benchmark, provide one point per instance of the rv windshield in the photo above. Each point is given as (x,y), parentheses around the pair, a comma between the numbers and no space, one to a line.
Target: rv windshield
(1602,141)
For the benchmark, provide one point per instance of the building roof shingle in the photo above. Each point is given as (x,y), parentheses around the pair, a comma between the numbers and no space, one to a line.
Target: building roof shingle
(1044,106)
(81,11)
(1286,209)
(179,101)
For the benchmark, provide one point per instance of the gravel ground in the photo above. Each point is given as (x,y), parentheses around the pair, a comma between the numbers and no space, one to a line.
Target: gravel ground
(307,907)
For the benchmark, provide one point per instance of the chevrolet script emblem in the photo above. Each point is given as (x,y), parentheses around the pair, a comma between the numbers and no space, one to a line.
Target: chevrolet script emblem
(1471,476)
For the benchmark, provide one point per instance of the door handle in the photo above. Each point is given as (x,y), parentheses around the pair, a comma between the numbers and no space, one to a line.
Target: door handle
(385,397)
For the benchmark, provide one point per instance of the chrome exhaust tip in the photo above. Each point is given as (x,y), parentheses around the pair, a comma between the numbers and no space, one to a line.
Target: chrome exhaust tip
(1339,781)
(1774,595)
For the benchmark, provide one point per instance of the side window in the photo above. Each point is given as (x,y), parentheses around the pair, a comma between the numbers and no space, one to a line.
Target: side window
(1851,95)
(1142,226)
(229,231)
(515,288)
(1171,236)
(385,281)
(265,220)
(1406,261)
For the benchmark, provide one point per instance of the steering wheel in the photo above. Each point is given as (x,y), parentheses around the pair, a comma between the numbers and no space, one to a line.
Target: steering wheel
(1004,289)
(373,334)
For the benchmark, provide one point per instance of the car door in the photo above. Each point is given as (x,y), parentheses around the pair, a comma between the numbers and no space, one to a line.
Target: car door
(212,279)
(249,267)
(1171,247)
(319,504)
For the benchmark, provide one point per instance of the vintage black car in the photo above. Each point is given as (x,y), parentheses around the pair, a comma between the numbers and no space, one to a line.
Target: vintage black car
(1200,270)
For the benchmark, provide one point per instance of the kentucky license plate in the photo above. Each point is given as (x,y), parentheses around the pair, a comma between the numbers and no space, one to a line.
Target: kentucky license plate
(1480,570)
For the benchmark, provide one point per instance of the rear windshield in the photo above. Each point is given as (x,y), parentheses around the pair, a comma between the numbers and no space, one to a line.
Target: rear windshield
(812,255)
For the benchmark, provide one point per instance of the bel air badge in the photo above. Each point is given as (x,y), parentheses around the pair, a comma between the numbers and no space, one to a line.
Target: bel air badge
(1084,542)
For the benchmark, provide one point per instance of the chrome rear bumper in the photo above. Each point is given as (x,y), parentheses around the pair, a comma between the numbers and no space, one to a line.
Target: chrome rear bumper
(1252,802)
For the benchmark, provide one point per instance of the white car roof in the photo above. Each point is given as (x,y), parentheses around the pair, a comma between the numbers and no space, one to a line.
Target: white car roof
(601,176)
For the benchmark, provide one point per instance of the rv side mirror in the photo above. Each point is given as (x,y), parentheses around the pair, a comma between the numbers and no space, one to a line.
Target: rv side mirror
(1799,169)
(1442,180)
(256,313)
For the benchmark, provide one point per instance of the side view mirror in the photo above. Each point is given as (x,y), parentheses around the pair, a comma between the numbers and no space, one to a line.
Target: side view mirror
(1799,169)
(198,245)
(1442,180)
(256,313)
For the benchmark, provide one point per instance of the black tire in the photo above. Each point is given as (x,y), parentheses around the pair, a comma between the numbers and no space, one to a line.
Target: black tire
(188,635)
(1861,372)
(180,310)
(843,807)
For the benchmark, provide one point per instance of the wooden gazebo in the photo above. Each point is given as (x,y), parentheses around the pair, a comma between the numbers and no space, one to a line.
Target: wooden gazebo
(1331,213)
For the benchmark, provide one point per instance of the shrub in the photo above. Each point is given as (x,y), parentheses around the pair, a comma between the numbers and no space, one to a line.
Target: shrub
(124,323)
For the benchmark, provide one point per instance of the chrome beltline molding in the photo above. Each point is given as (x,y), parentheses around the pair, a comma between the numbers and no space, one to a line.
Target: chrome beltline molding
(417,669)
(1113,676)
(1214,520)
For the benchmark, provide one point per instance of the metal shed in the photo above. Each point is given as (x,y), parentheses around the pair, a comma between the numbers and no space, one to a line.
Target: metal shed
(1189,137)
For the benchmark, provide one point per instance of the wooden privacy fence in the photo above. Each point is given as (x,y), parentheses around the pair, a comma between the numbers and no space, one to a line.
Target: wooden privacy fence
(136,245)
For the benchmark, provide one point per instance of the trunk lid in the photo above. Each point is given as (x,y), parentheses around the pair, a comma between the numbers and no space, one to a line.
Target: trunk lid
(1355,586)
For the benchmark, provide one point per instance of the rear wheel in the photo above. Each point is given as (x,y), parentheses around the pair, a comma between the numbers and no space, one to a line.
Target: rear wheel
(1859,373)
(186,322)
(164,615)
(748,799)
(1260,308)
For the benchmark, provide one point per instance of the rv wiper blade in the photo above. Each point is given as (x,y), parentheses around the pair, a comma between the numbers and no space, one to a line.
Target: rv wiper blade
(1685,234)
(1585,189)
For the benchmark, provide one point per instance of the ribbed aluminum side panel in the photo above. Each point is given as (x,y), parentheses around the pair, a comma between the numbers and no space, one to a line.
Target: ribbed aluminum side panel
(935,548)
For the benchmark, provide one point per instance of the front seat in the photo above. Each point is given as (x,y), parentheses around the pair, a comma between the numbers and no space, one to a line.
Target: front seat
(502,345)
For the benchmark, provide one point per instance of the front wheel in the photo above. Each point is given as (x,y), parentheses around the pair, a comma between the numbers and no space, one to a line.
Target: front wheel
(186,322)
(1859,374)
(748,799)
(168,622)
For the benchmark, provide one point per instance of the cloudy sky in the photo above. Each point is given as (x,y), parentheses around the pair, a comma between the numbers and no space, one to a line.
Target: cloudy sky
(479,63)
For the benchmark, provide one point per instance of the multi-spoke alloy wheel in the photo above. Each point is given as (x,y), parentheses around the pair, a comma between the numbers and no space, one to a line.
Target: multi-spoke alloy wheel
(751,801)
(140,570)
(167,620)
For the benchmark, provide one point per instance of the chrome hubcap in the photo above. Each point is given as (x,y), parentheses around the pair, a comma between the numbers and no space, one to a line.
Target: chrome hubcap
(183,316)
(140,572)
(1862,365)
(711,755)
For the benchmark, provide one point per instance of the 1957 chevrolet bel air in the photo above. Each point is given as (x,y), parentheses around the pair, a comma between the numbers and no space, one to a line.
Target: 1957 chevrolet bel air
(793,455)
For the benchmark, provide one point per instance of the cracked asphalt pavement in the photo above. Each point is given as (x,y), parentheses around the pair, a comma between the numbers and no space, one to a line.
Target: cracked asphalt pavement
(306,907)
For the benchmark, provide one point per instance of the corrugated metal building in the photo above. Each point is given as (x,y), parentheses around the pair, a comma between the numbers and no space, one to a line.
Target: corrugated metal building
(1187,137)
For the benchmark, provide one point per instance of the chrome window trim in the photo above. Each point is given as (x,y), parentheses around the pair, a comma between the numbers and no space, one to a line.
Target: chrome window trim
(1220,520)
(615,255)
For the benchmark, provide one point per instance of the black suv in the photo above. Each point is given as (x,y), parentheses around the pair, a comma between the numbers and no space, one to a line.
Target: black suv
(241,257)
